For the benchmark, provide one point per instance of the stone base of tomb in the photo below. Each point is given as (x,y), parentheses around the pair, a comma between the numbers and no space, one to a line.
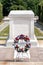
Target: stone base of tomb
(10,42)
(34,42)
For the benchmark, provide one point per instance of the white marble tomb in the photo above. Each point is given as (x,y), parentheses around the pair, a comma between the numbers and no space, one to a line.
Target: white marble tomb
(21,22)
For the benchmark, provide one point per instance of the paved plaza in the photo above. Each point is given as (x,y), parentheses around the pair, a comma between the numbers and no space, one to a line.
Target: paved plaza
(20,63)
(36,55)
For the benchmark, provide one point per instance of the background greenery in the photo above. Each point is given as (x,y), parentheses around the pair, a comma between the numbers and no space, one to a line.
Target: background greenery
(35,5)
(41,11)
(20,5)
(1,13)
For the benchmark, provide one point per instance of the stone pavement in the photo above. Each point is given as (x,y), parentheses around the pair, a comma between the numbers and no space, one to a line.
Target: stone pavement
(21,63)
(36,54)
(40,43)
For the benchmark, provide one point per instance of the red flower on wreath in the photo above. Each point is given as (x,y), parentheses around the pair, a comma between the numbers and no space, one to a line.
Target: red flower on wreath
(26,38)
(21,36)
(16,38)
(22,49)
(17,46)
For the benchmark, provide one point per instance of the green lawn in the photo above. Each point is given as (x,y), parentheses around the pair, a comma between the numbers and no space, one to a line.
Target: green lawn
(5,32)
(1,22)
(37,32)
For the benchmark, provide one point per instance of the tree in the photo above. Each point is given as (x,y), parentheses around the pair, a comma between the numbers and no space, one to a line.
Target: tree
(6,7)
(41,11)
(1,14)
(33,5)
(20,5)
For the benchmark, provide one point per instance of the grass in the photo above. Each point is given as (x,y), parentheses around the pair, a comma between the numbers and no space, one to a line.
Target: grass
(3,39)
(5,31)
(1,22)
(37,32)
(39,38)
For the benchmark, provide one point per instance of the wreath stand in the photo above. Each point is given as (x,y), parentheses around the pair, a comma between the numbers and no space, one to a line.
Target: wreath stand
(20,56)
